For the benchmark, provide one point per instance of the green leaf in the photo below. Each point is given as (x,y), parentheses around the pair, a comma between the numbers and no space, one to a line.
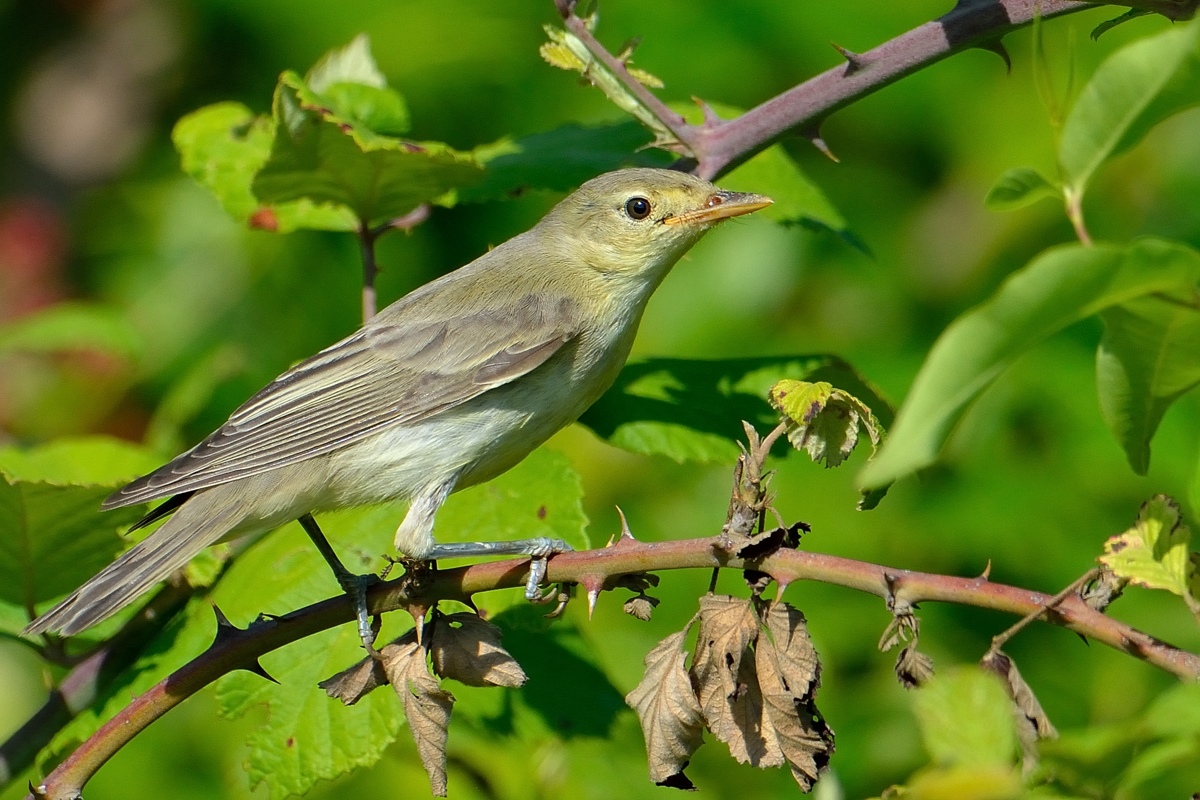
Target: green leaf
(52,532)
(222,146)
(1059,287)
(824,422)
(72,326)
(1132,91)
(307,736)
(798,200)
(1154,553)
(350,64)
(966,719)
(560,159)
(541,496)
(1146,360)
(1018,188)
(85,460)
(327,158)
(692,410)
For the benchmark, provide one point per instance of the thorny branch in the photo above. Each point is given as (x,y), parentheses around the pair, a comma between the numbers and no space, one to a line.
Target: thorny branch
(717,145)
(240,649)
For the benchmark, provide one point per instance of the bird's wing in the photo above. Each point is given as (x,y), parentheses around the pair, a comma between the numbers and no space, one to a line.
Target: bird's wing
(399,371)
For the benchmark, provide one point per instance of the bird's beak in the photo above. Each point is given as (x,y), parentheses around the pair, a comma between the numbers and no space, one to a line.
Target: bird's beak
(721,205)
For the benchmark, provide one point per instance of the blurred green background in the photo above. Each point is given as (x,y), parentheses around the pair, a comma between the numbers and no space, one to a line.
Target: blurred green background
(94,207)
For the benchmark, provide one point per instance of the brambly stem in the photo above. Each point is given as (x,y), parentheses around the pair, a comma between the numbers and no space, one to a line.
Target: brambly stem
(717,146)
(237,648)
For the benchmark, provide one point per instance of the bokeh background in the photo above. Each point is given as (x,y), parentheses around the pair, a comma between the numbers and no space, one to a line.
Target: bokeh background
(94,208)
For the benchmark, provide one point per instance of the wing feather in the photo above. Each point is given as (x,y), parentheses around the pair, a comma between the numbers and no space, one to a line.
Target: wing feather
(395,370)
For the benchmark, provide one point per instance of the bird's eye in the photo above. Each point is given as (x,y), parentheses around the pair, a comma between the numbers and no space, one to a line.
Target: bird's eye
(637,207)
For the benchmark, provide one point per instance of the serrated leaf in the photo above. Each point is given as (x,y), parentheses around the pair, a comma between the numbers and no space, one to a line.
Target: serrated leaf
(1061,286)
(466,648)
(541,496)
(222,146)
(1146,360)
(1154,553)
(691,410)
(307,736)
(725,679)
(789,674)
(560,159)
(823,421)
(1132,91)
(966,720)
(53,535)
(326,158)
(559,55)
(427,708)
(1018,188)
(668,710)
(73,326)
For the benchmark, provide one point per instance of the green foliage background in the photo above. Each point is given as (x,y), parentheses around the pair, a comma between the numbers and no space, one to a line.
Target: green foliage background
(193,312)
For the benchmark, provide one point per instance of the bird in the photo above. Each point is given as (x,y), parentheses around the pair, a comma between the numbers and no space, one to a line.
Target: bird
(447,387)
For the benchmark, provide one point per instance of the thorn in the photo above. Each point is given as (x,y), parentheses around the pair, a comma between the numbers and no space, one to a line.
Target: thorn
(710,117)
(593,595)
(999,49)
(987,571)
(814,136)
(626,534)
(854,61)
(226,630)
(258,670)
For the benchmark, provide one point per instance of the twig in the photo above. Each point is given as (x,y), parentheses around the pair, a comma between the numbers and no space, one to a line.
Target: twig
(241,647)
(1001,639)
(367,237)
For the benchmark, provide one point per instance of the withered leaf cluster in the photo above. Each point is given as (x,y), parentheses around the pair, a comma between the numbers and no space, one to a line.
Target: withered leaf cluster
(460,646)
(752,683)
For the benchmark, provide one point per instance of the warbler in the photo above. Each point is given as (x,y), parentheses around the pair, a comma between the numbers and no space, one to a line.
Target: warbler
(447,387)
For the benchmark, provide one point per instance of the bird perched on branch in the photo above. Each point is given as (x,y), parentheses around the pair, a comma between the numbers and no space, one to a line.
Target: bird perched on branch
(447,387)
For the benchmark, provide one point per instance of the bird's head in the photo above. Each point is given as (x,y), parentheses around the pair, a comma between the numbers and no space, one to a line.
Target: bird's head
(638,222)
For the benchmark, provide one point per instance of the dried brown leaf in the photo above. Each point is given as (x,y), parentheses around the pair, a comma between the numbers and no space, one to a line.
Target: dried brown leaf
(788,674)
(641,606)
(913,668)
(356,682)
(669,712)
(726,681)
(426,706)
(466,647)
(800,668)
(727,627)
(1032,722)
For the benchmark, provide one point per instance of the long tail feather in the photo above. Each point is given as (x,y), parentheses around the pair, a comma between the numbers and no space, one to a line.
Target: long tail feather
(196,525)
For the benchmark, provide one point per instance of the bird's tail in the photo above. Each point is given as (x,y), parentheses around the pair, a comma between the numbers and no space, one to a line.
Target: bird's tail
(196,525)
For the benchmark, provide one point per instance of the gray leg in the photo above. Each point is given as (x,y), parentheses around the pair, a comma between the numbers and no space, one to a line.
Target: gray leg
(355,586)
(540,548)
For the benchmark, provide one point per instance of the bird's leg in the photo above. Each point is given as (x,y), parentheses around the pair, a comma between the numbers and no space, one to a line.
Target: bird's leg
(540,548)
(355,586)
